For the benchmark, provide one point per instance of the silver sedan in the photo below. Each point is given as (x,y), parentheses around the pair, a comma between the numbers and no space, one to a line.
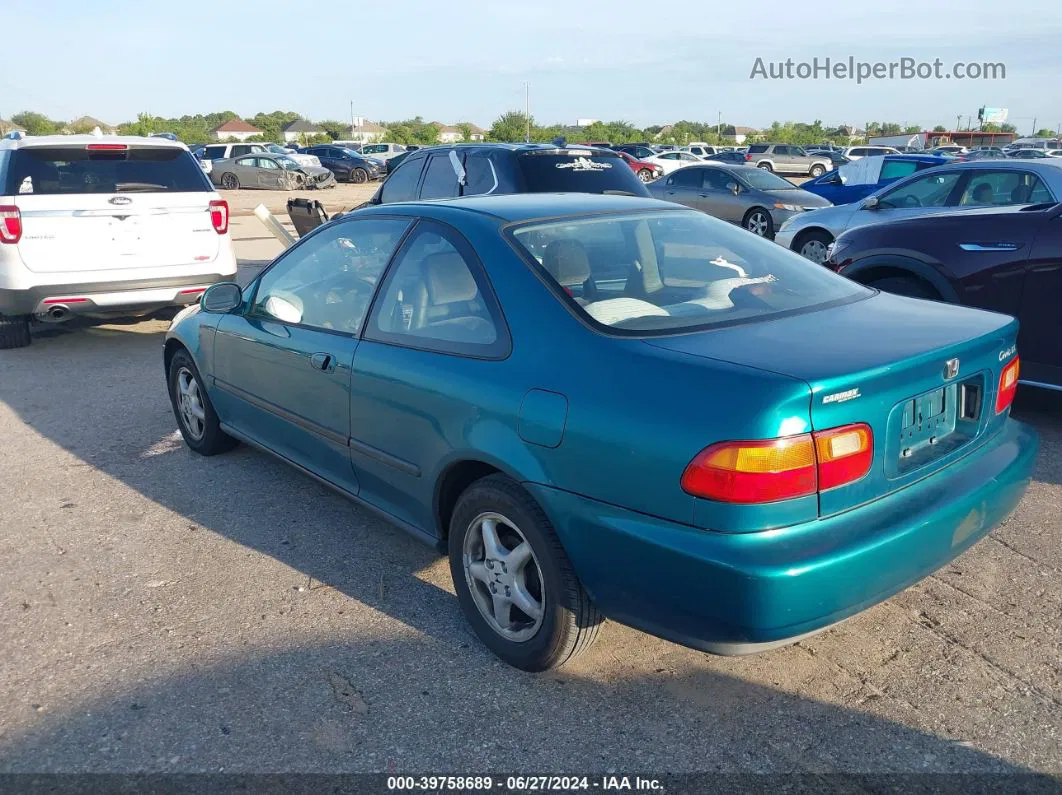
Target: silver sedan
(947,188)
(750,197)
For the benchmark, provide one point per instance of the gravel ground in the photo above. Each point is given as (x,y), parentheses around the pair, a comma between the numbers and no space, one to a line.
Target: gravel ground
(344,196)
(164,612)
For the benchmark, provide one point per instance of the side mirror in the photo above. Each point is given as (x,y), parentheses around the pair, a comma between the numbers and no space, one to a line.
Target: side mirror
(733,187)
(871,203)
(222,297)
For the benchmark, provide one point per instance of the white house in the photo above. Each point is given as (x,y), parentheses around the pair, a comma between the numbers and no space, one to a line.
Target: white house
(366,132)
(236,130)
(452,134)
(586,122)
(739,135)
(300,130)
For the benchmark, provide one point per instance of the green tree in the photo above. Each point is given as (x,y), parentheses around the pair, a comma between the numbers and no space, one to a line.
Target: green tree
(466,131)
(911,129)
(335,129)
(511,126)
(1008,128)
(1042,133)
(940,128)
(36,123)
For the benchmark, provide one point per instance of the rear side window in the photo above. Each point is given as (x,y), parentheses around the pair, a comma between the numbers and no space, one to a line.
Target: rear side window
(440,180)
(214,153)
(401,186)
(577,171)
(894,169)
(756,149)
(674,271)
(50,171)
(481,175)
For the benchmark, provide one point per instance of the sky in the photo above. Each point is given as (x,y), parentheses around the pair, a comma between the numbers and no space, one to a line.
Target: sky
(468,61)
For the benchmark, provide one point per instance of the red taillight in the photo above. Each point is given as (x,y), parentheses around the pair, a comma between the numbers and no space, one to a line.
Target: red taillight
(755,471)
(107,147)
(768,470)
(219,216)
(64,301)
(10,224)
(1008,385)
(844,454)
(748,157)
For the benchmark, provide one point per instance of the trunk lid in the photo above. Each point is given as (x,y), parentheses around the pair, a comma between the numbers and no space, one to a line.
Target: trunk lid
(86,210)
(883,361)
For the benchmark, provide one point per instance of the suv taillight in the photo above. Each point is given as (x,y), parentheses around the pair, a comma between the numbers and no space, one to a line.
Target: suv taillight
(219,216)
(748,156)
(768,470)
(10,224)
(1008,384)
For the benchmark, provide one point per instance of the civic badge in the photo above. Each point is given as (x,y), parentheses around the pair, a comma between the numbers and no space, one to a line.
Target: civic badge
(951,369)
(121,200)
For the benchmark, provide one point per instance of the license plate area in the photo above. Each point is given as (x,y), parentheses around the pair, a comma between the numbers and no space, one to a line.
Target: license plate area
(929,426)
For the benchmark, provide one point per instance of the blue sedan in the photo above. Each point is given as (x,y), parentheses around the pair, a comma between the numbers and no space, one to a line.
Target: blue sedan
(614,406)
(829,185)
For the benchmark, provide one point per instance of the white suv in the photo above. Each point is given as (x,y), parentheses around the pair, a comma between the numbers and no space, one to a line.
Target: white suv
(104,226)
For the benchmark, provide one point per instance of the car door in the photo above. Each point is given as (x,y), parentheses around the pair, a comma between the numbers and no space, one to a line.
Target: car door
(912,198)
(683,187)
(282,367)
(783,162)
(270,173)
(719,198)
(440,178)
(1041,320)
(435,337)
(246,171)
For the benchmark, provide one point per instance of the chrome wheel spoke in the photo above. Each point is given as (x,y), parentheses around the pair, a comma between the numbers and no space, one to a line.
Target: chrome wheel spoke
(492,545)
(516,559)
(502,606)
(479,572)
(525,602)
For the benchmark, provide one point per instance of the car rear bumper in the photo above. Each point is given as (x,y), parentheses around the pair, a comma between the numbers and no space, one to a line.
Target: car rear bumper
(107,297)
(742,593)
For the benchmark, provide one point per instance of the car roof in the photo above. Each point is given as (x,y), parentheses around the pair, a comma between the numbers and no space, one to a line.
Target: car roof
(514,147)
(31,141)
(512,207)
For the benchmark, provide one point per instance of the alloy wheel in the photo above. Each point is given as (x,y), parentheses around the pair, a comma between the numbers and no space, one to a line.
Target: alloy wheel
(504,577)
(190,403)
(814,250)
(757,224)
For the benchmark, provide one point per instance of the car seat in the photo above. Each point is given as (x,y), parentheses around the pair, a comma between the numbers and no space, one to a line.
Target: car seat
(447,304)
(1021,194)
(567,263)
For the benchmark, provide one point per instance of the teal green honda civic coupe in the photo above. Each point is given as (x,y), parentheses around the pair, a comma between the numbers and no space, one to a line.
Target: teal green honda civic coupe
(606,406)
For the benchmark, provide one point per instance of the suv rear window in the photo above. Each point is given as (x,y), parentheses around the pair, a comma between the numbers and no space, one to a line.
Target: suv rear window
(50,171)
(674,271)
(577,171)
(756,149)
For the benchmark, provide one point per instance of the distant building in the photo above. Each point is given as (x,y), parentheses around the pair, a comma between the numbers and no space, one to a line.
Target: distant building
(586,122)
(853,134)
(931,139)
(452,134)
(300,130)
(365,132)
(739,135)
(88,124)
(236,130)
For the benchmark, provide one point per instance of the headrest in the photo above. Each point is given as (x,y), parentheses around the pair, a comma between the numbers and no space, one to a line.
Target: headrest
(448,279)
(566,262)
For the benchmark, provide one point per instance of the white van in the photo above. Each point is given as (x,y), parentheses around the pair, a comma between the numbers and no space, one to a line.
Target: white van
(104,226)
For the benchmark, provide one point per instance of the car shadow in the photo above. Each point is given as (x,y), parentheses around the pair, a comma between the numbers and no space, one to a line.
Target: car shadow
(364,707)
(368,705)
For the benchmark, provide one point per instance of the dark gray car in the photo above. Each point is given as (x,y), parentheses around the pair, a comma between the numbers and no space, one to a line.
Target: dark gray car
(269,171)
(752,197)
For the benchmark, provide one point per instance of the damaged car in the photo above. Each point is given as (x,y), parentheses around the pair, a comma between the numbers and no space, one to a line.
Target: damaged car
(269,171)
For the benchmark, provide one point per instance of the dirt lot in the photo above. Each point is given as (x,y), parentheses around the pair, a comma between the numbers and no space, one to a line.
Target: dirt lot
(342,197)
(161,611)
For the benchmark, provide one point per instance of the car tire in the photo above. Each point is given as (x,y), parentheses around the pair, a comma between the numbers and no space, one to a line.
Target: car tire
(204,435)
(816,171)
(758,221)
(14,332)
(765,165)
(812,245)
(230,181)
(645,175)
(909,286)
(359,176)
(568,622)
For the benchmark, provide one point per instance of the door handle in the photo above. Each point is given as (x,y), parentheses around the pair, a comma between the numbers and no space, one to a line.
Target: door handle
(989,246)
(325,362)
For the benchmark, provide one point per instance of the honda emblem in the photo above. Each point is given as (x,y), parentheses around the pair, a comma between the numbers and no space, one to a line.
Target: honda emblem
(951,369)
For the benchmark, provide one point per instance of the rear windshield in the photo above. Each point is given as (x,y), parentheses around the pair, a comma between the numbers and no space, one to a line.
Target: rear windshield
(578,171)
(675,271)
(51,171)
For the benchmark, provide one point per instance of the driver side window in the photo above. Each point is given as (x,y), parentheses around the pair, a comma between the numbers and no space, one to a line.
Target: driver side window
(328,281)
(932,190)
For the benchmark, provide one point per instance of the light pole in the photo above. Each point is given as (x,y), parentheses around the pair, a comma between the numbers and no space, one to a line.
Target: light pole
(352,118)
(527,109)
